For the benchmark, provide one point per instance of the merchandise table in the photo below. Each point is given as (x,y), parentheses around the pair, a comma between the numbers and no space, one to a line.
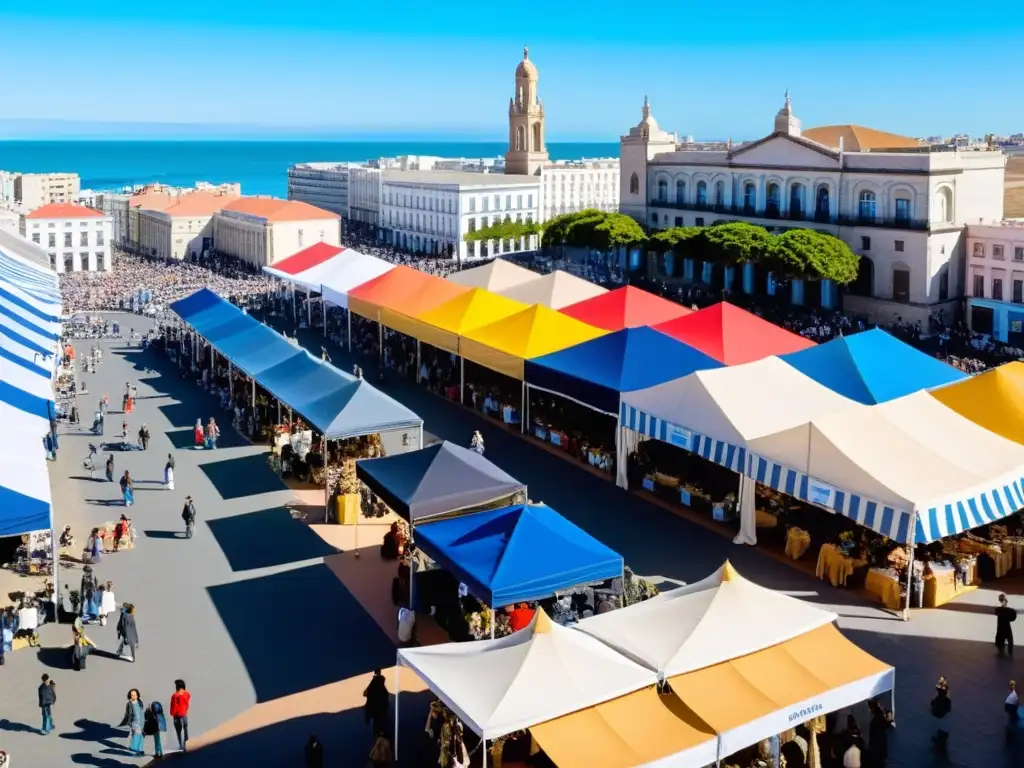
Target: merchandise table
(798,541)
(834,566)
(886,584)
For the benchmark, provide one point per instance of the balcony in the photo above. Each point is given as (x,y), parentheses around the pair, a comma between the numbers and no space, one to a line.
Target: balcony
(810,217)
(884,223)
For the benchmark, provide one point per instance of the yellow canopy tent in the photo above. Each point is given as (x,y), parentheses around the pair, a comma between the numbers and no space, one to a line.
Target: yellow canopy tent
(442,325)
(502,346)
(993,400)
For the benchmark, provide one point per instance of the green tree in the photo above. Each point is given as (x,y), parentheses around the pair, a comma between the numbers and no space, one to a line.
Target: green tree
(616,231)
(805,253)
(736,242)
(684,242)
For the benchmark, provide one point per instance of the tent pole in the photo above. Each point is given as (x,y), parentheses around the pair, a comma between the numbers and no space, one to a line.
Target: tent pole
(279,412)
(309,309)
(231,382)
(421,438)
(418,354)
(484,745)
(295,307)
(892,698)
(55,554)
(524,413)
(462,379)
(348,336)
(494,619)
(910,564)
(412,579)
(254,398)
(625,602)
(327,482)
(323,306)
(398,688)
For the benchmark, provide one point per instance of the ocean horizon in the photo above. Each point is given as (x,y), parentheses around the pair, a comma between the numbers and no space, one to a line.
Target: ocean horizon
(260,166)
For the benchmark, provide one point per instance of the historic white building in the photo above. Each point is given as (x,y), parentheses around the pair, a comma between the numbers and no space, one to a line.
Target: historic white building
(183,230)
(901,206)
(76,238)
(995,279)
(432,211)
(265,230)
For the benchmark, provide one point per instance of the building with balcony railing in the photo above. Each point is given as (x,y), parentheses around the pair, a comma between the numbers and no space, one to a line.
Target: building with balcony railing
(900,205)
(995,279)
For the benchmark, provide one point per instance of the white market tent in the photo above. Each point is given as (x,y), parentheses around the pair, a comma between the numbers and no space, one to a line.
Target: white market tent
(495,276)
(554,290)
(910,469)
(715,414)
(543,671)
(356,268)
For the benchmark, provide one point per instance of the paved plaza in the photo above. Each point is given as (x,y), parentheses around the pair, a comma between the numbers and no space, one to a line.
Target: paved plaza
(275,627)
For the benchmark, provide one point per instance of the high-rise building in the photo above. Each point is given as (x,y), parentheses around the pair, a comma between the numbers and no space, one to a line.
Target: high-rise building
(34,190)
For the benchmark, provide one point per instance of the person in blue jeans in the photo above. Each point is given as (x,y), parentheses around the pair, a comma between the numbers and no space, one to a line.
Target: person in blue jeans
(47,698)
(134,718)
(156,726)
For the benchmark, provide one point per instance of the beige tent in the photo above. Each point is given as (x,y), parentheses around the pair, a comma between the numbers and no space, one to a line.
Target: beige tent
(555,290)
(497,276)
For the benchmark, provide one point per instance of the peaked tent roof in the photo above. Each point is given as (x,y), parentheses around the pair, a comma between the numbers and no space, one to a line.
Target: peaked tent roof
(993,400)
(498,275)
(402,290)
(688,628)
(596,372)
(555,290)
(732,335)
(516,553)
(537,674)
(300,261)
(503,345)
(625,307)
(872,367)
(436,481)
(477,307)
(343,275)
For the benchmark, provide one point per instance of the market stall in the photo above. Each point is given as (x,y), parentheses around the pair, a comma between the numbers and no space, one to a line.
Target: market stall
(732,335)
(993,400)
(495,276)
(872,367)
(554,290)
(626,307)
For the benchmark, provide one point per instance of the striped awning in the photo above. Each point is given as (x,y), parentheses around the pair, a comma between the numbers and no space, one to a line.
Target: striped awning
(716,451)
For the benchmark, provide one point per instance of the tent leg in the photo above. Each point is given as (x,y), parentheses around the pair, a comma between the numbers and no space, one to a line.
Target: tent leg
(524,411)
(278,411)
(484,747)
(295,308)
(624,595)
(231,382)
(309,309)
(494,620)
(775,751)
(412,581)
(55,554)
(327,483)
(380,341)
(892,698)
(348,336)
(910,565)
(421,438)
(418,354)
(213,361)
(323,306)
(398,688)
(254,398)
(462,379)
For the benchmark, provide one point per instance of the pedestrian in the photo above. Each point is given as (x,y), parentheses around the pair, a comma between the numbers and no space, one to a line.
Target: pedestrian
(1005,616)
(135,719)
(878,733)
(180,701)
(199,436)
(155,725)
(1010,706)
(47,698)
(126,489)
(188,514)
(81,647)
(382,755)
(941,708)
(314,757)
(127,632)
(144,437)
(375,710)
(169,473)
(110,468)
(212,433)
(95,545)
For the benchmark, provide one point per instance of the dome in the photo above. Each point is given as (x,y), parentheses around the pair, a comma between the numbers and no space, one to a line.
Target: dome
(526,70)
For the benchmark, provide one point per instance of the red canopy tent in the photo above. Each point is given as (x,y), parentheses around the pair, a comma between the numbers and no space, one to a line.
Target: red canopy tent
(307,258)
(626,307)
(733,336)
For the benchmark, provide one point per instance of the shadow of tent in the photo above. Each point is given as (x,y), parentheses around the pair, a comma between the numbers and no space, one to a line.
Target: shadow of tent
(269,620)
(242,476)
(266,538)
(182,415)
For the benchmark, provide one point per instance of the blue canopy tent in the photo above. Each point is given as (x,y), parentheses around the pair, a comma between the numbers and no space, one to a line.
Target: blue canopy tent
(872,367)
(437,481)
(518,553)
(595,372)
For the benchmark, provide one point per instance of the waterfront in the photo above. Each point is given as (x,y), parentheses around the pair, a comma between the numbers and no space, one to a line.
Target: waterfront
(259,166)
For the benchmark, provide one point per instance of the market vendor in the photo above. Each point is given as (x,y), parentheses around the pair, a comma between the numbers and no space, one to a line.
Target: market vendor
(520,616)
(393,546)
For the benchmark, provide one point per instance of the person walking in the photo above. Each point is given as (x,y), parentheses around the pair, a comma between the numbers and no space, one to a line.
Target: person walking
(1011,706)
(382,755)
(212,434)
(188,514)
(110,468)
(135,719)
(878,732)
(180,701)
(169,473)
(155,725)
(47,698)
(375,710)
(126,489)
(144,437)
(1005,616)
(127,632)
(198,435)
(941,707)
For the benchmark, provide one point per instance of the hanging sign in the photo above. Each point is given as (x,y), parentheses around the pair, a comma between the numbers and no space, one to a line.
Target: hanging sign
(820,493)
(679,437)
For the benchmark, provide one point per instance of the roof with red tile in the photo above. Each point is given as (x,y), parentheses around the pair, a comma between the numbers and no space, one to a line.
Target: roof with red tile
(152,201)
(64,211)
(274,209)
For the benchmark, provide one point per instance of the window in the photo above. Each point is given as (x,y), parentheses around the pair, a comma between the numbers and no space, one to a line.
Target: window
(679,221)
(1018,253)
(700,221)
(901,285)
(749,198)
(529,198)
(979,251)
(979,286)
(497,202)
(680,191)
(634,186)
(67,239)
(84,240)
(1018,291)
(865,243)
(69,262)
(53,261)
(866,206)
(486,203)
(997,252)
(719,193)
(662,191)
(702,193)
(35,237)
(997,288)
(902,210)
(472,205)
(772,204)
(654,218)
(519,201)
(83,261)
(899,246)
(796,201)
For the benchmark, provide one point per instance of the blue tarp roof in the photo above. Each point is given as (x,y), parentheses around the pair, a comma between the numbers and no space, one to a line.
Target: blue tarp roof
(872,367)
(334,402)
(436,481)
(518,553)
(596,371)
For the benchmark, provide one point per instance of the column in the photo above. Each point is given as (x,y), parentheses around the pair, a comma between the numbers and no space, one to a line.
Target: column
(770,288)
(748,278)
(688,269)
(730,273)
(828,294)
(706,272)
(797,292)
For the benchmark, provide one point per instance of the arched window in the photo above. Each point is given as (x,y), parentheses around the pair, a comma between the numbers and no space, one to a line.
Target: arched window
(822,204)
(520,138)
(773,204)
(536,137)
(942,210)
(749,198)
(866,206)
(702,193)
(902,210)
(796,201)
(634,185)
(719,193)
(662,191)
(680,191)
(864,285)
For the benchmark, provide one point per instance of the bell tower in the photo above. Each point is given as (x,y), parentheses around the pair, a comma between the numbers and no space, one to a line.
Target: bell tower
(527,152)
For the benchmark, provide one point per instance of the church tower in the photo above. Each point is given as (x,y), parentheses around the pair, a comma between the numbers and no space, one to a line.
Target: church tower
(526,150)
(785,121)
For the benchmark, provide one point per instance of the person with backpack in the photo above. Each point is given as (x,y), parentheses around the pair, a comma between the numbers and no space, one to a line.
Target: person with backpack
(47,698)
(1005,616)
(155,725)
(941,708)
(188,514)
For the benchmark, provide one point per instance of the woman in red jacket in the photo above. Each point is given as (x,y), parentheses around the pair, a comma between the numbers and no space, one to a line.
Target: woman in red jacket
(180,701)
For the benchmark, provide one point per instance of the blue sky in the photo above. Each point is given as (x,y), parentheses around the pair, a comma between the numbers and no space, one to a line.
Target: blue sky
(427,69)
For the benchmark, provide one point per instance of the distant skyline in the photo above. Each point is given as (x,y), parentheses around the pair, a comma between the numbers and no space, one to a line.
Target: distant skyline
(308,70)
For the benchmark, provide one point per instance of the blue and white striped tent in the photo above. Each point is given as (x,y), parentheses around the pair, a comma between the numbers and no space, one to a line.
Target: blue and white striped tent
(29,333)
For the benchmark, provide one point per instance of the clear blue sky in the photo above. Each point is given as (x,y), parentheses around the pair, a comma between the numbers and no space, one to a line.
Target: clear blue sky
(427,68)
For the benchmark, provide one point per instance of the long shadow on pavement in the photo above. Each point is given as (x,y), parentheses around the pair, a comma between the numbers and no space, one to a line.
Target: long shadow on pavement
(269,620)
(242,476)
(266,538)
